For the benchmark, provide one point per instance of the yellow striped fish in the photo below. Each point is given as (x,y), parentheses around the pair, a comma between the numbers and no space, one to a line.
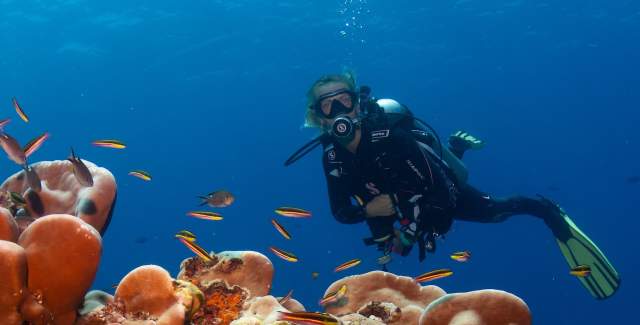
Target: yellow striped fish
(114,144)
(293,212)
(206,215)
(34,144)
(281,229)
(186,235)
(19,110)
(433,275)
(347,265)
(581,271)
(141,174)
(334,296)
(286,298)
(199,251)
(289,257)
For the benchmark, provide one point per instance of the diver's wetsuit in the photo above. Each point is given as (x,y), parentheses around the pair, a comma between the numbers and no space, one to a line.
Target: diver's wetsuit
(393,162)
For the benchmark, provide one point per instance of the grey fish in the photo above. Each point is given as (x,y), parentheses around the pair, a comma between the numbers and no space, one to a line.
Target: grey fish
(33,180)
(80,170)
(12,148)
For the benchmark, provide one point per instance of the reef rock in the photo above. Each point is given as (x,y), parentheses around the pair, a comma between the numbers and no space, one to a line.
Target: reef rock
(373,288)
(62,194)
(477,308)
(246,269)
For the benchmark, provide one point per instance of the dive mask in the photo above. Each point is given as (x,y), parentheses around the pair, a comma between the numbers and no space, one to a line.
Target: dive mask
(330,105)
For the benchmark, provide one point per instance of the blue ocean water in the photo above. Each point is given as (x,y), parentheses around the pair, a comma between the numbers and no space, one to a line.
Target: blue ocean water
(210,95)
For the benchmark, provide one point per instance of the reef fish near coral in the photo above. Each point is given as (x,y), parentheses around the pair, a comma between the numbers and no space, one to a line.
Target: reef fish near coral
(12,148)
(461,256)
(80,170)
(334,296)
(433,275)
(35,144)
(308,318)
(280,229)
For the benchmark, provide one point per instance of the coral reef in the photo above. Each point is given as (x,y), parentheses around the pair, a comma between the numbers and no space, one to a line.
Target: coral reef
(50,247)
(50,244)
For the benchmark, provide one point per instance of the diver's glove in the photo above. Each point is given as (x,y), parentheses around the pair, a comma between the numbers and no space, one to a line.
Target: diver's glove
(463,141)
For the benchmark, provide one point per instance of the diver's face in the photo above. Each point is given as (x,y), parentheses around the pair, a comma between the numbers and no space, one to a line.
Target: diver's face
(325,104)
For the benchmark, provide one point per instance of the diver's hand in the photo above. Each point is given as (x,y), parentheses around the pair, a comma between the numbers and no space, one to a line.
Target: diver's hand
(380,206)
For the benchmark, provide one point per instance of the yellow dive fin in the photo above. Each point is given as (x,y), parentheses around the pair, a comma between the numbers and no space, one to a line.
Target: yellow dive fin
(578,249)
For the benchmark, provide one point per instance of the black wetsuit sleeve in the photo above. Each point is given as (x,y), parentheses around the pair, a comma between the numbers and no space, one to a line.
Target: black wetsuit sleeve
(338,186)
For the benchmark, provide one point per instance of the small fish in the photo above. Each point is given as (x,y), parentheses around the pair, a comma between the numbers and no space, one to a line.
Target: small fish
(218,199)
(33,180)
(581,271)
(199,251)
(141,174)
(186,235)
(35,144)
(80,170)
(19,110)
(308,318)
(334,296)
(114,144)
(433,275)
(4,122)
(280,229)
(17,198)
(461,256)
(205,215)
(286,298)
(347,265)
(293,212)
(289,257)
(315,275)
(12,148)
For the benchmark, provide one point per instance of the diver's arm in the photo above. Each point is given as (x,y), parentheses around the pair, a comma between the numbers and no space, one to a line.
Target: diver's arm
(340,199)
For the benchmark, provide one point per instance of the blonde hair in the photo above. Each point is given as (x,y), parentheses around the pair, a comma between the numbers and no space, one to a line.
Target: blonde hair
(311,119)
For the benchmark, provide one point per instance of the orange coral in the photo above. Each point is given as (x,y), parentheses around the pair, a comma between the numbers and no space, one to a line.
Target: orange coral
(222,304)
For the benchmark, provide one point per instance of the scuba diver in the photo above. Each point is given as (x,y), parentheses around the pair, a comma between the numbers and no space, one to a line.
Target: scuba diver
(389,169)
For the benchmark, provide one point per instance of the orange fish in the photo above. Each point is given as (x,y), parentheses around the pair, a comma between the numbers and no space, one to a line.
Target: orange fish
(19,110)
(199,251)
(461,256)
(347,265)
(114,144)
(308,318)
(35,144)
(280,229)
(218,199)
(293,212)
(286,298)
(206,215)
(289,257)
(581,271)
(433,275)
(141,174)
(334,296)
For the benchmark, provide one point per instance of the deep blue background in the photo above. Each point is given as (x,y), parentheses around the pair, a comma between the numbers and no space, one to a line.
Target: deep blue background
(210,94)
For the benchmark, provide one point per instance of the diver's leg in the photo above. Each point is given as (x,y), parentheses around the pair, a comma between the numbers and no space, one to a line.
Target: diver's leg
(575,246)
(474,205)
